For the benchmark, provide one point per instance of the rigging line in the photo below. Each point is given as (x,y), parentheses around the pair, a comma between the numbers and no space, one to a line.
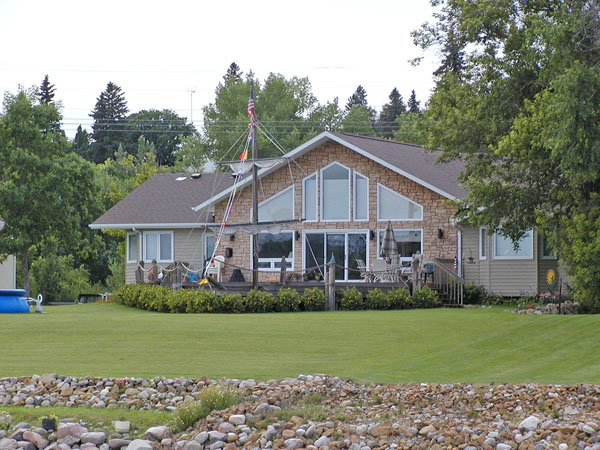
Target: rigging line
(207,211)
(313,254)
(266,133)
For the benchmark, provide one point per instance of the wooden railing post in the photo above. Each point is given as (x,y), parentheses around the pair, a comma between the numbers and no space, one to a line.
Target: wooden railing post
(330,283)
(283,270)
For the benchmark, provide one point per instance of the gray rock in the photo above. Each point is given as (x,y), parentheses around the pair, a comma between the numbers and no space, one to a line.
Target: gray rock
(587,429)
(293,443)
(104,446)
(202,437)
(94,437)
(139,444)
(490,441)
(8,444)
(70,429)
(215,436)
(26,445)
(118,443)
(563,446)
(193,445)
(216,445)
(271,433)
(157,433)
(226,427)
(24,425)
(247,384)
(36,439)
(310,431)
(354,446)
(122,426)
(502,446)
(88,446)
(68,440)
(412,431)
(323,441)
(529,424)
(265,409)
(237,419)
(540,446)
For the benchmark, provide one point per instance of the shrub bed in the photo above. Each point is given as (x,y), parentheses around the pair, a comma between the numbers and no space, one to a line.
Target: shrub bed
(163,299)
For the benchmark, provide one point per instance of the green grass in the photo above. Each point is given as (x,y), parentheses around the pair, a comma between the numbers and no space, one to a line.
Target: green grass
(443,345)
(98,418)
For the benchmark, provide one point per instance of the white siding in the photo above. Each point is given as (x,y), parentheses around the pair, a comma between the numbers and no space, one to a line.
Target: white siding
(7,273)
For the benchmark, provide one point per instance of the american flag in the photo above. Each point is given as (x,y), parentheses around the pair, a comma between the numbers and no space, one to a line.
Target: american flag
(251,112)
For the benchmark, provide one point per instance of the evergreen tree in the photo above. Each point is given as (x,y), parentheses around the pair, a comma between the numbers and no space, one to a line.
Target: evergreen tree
(359,98)
(233,74)
(81,142)
(413,103)
(386,124)
(46,92)
(109,115)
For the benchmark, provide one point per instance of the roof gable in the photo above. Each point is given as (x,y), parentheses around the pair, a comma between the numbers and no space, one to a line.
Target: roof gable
(408,160)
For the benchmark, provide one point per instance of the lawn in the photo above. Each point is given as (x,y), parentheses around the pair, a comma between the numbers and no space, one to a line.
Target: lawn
(443,345)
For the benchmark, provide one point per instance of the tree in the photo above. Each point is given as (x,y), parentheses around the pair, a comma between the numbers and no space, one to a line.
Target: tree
(233,74)
(44,190)
(358,98)
(192,154)
(524,115)
(46,93)
(358,121)
(109,113)
(81,142)
(164,129)
(326,117)
(386,123)
(413,103)
(281,104)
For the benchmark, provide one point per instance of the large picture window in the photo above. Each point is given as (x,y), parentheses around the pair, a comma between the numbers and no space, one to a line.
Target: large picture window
(347,247)
(393,206)
(409,243)
(504,248)
(361,197)
(309,198)
(271,247)
(158,246)
(335,193)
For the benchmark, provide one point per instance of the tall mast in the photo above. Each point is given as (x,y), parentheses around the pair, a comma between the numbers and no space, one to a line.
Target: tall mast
(254,208)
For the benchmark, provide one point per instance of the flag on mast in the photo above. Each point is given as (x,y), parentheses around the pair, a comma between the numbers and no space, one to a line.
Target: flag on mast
(251,111)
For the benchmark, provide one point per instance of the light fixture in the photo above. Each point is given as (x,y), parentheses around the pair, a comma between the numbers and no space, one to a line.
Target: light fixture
(440,233)
(232,237)
(371,235)
(297,234)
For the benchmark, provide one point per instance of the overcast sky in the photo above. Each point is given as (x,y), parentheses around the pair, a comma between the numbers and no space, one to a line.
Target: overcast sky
(158,51)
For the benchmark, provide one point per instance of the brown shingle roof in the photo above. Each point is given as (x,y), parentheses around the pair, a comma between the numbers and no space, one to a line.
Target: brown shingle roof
(164,200)
(413,160)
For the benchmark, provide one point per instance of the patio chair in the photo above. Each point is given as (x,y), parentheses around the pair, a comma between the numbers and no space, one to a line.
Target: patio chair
(381,272)
(364,271)
(215,267)
(426,272)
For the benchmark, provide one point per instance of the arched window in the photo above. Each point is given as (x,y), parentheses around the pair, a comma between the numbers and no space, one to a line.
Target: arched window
(335,193)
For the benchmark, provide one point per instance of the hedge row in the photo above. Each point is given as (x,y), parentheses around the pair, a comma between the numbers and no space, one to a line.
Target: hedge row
(162,299)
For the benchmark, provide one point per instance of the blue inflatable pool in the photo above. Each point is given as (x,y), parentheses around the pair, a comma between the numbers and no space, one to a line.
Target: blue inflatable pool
(13,301)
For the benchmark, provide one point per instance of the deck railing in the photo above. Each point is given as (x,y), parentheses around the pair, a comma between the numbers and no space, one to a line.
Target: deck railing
(450,285)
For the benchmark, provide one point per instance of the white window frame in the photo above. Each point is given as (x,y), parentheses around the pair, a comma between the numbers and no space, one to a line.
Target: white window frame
(483,243)
(354,175)
(274,260)
(135,259)
(280,193)
(379,219)
(346,232)
(205,245)
(541,249)
(158,233)
(316,175)
(381,231)
(322,192)
(515,256)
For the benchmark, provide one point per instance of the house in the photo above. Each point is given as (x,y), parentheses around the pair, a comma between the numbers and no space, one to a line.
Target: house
(8,270)
(342,190)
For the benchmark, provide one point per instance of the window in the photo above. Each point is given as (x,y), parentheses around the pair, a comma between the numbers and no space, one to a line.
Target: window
(361,197)
(271,247)
(504,248)
(132,247)
(409,242)
(209,246)
(482,243)
(335,193)
(278,207)
(346,248)
(309,198)
(393,206)
(547,252)
(158,246)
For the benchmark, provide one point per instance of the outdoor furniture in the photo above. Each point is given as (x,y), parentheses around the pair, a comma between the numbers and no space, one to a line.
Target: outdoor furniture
(364,271)
(383,272)
(427,271)
(215,267)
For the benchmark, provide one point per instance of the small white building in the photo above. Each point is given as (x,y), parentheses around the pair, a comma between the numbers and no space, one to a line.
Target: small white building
(8,270)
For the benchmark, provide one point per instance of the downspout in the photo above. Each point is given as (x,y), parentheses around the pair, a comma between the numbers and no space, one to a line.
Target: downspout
(459,255)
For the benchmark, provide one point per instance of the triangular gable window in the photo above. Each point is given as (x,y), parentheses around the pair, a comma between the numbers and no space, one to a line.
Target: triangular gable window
(393,206)
(278,207)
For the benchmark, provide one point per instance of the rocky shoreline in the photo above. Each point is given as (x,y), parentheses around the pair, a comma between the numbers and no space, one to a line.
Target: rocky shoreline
(316,412)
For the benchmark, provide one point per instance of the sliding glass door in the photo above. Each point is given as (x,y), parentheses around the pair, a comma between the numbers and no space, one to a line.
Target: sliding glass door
(346,248)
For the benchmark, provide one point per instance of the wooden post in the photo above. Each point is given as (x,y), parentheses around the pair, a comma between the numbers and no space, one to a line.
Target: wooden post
(331,283)
(283,270)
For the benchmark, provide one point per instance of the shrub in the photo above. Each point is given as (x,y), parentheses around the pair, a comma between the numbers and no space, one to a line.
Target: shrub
(57,280)
(287,300)
(426,298)
(199,302)
(399,298)
(377,299)
(314,299)
(211,398)
(473,294)
(350,299)
(229,303)
(259,301)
